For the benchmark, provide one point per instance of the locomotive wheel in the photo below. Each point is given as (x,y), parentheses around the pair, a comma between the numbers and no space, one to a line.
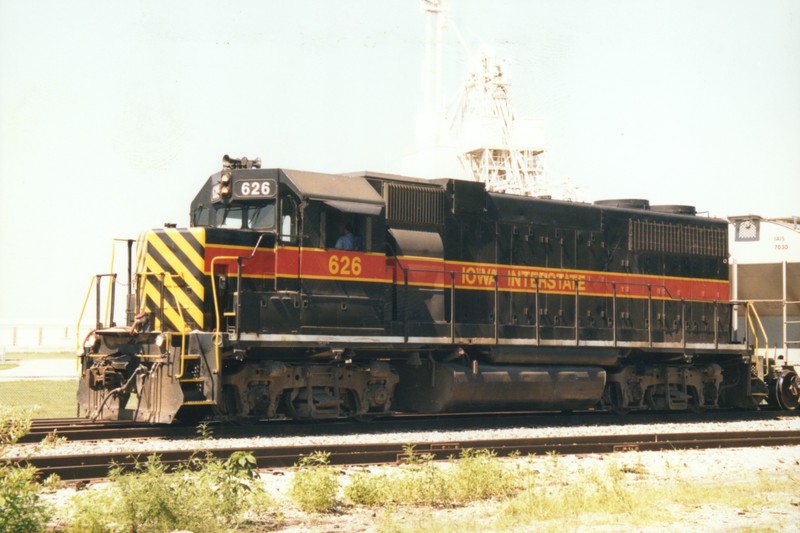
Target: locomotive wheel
(613,400)
(694,402)
(787,391)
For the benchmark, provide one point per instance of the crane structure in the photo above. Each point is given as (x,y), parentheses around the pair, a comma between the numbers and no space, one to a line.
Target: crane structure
(479,136)
(498,149)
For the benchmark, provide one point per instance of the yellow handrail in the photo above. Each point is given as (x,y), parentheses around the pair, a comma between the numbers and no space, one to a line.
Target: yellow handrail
(216,306)
(183,334)
(78,351)
(752,308)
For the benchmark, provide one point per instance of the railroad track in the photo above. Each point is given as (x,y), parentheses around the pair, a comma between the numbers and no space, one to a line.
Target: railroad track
(81,429)
(90,467)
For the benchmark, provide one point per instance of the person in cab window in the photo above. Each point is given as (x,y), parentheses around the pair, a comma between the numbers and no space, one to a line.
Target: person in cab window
(347,241)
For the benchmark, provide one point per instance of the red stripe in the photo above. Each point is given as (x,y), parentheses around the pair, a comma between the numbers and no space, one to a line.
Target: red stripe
(260,263)
(348,265)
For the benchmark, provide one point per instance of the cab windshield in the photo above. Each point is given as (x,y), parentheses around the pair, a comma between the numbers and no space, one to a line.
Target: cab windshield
(255,217)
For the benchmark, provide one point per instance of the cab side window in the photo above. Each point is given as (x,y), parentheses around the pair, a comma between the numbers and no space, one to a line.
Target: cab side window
(345,231)
(288,223)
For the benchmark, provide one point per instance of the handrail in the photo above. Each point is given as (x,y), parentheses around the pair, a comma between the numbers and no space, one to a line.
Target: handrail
(109,299)
(184,332)
(178,307)
(751,307)
(78,351)
(534,282)
(217,332)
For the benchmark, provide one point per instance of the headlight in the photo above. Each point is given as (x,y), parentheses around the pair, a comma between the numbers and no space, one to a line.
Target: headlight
(92,342)
(161,340)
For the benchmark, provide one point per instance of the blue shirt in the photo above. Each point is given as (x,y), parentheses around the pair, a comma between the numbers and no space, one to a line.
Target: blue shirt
(346,242)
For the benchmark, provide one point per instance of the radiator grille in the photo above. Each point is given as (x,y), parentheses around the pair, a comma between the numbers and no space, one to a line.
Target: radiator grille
(647,236)
(414,204)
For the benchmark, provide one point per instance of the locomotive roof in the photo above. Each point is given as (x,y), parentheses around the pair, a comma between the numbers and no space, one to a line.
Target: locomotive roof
(319,186)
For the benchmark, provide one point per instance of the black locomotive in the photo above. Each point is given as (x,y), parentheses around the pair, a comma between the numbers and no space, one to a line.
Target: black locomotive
(307,295)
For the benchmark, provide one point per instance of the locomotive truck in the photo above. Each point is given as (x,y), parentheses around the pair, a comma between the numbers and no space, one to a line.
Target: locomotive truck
(445,298)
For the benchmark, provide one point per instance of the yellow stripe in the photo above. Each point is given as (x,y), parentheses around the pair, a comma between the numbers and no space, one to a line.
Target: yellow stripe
(337,278)
(175,263)
(170,312)
(186,248)
(188,307)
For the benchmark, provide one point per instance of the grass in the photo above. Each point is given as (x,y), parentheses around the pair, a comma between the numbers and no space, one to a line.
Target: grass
(476,475)
(45,398)
(28,356)
(620,493)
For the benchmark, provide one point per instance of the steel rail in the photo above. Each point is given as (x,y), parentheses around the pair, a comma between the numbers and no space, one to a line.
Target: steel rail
(78,429)
(96,466)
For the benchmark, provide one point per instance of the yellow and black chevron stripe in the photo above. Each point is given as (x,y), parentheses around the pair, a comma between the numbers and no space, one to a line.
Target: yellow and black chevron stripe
(171,262)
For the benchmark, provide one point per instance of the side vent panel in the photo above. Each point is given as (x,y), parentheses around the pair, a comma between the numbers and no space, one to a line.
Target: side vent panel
(647,236)
(414,204)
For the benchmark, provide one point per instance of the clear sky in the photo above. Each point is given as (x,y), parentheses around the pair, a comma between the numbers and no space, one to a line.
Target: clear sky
(113,113)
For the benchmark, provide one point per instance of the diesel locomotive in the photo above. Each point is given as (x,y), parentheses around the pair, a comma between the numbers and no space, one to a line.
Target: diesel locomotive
(443,297)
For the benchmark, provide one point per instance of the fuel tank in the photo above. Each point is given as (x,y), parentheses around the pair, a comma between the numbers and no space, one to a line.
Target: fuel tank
(434,387)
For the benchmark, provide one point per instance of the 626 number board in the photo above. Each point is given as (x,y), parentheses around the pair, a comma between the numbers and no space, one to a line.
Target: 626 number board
(252,189)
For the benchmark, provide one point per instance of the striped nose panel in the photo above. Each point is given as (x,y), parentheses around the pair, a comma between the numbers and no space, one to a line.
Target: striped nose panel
(170,270)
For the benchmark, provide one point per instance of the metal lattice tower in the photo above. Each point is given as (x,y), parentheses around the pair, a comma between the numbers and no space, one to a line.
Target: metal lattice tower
(478,137)
(497,149)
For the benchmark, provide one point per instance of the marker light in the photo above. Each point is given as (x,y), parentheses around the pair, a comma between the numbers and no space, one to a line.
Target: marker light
(225,185)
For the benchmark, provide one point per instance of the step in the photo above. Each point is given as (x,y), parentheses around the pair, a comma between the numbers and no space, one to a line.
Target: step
(191,380)
(200,402)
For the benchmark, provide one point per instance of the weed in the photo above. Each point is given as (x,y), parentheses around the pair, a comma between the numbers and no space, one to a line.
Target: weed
(611,491)
(410,457)
(475,475)
(21,508)
(315,484)
(52,439)
(478,475)
(14,423)
(209,495)
(52,482)
(204,431)
(366,488)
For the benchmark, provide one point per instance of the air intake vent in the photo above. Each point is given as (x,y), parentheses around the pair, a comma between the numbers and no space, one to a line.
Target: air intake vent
(413,204)
(646,236)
